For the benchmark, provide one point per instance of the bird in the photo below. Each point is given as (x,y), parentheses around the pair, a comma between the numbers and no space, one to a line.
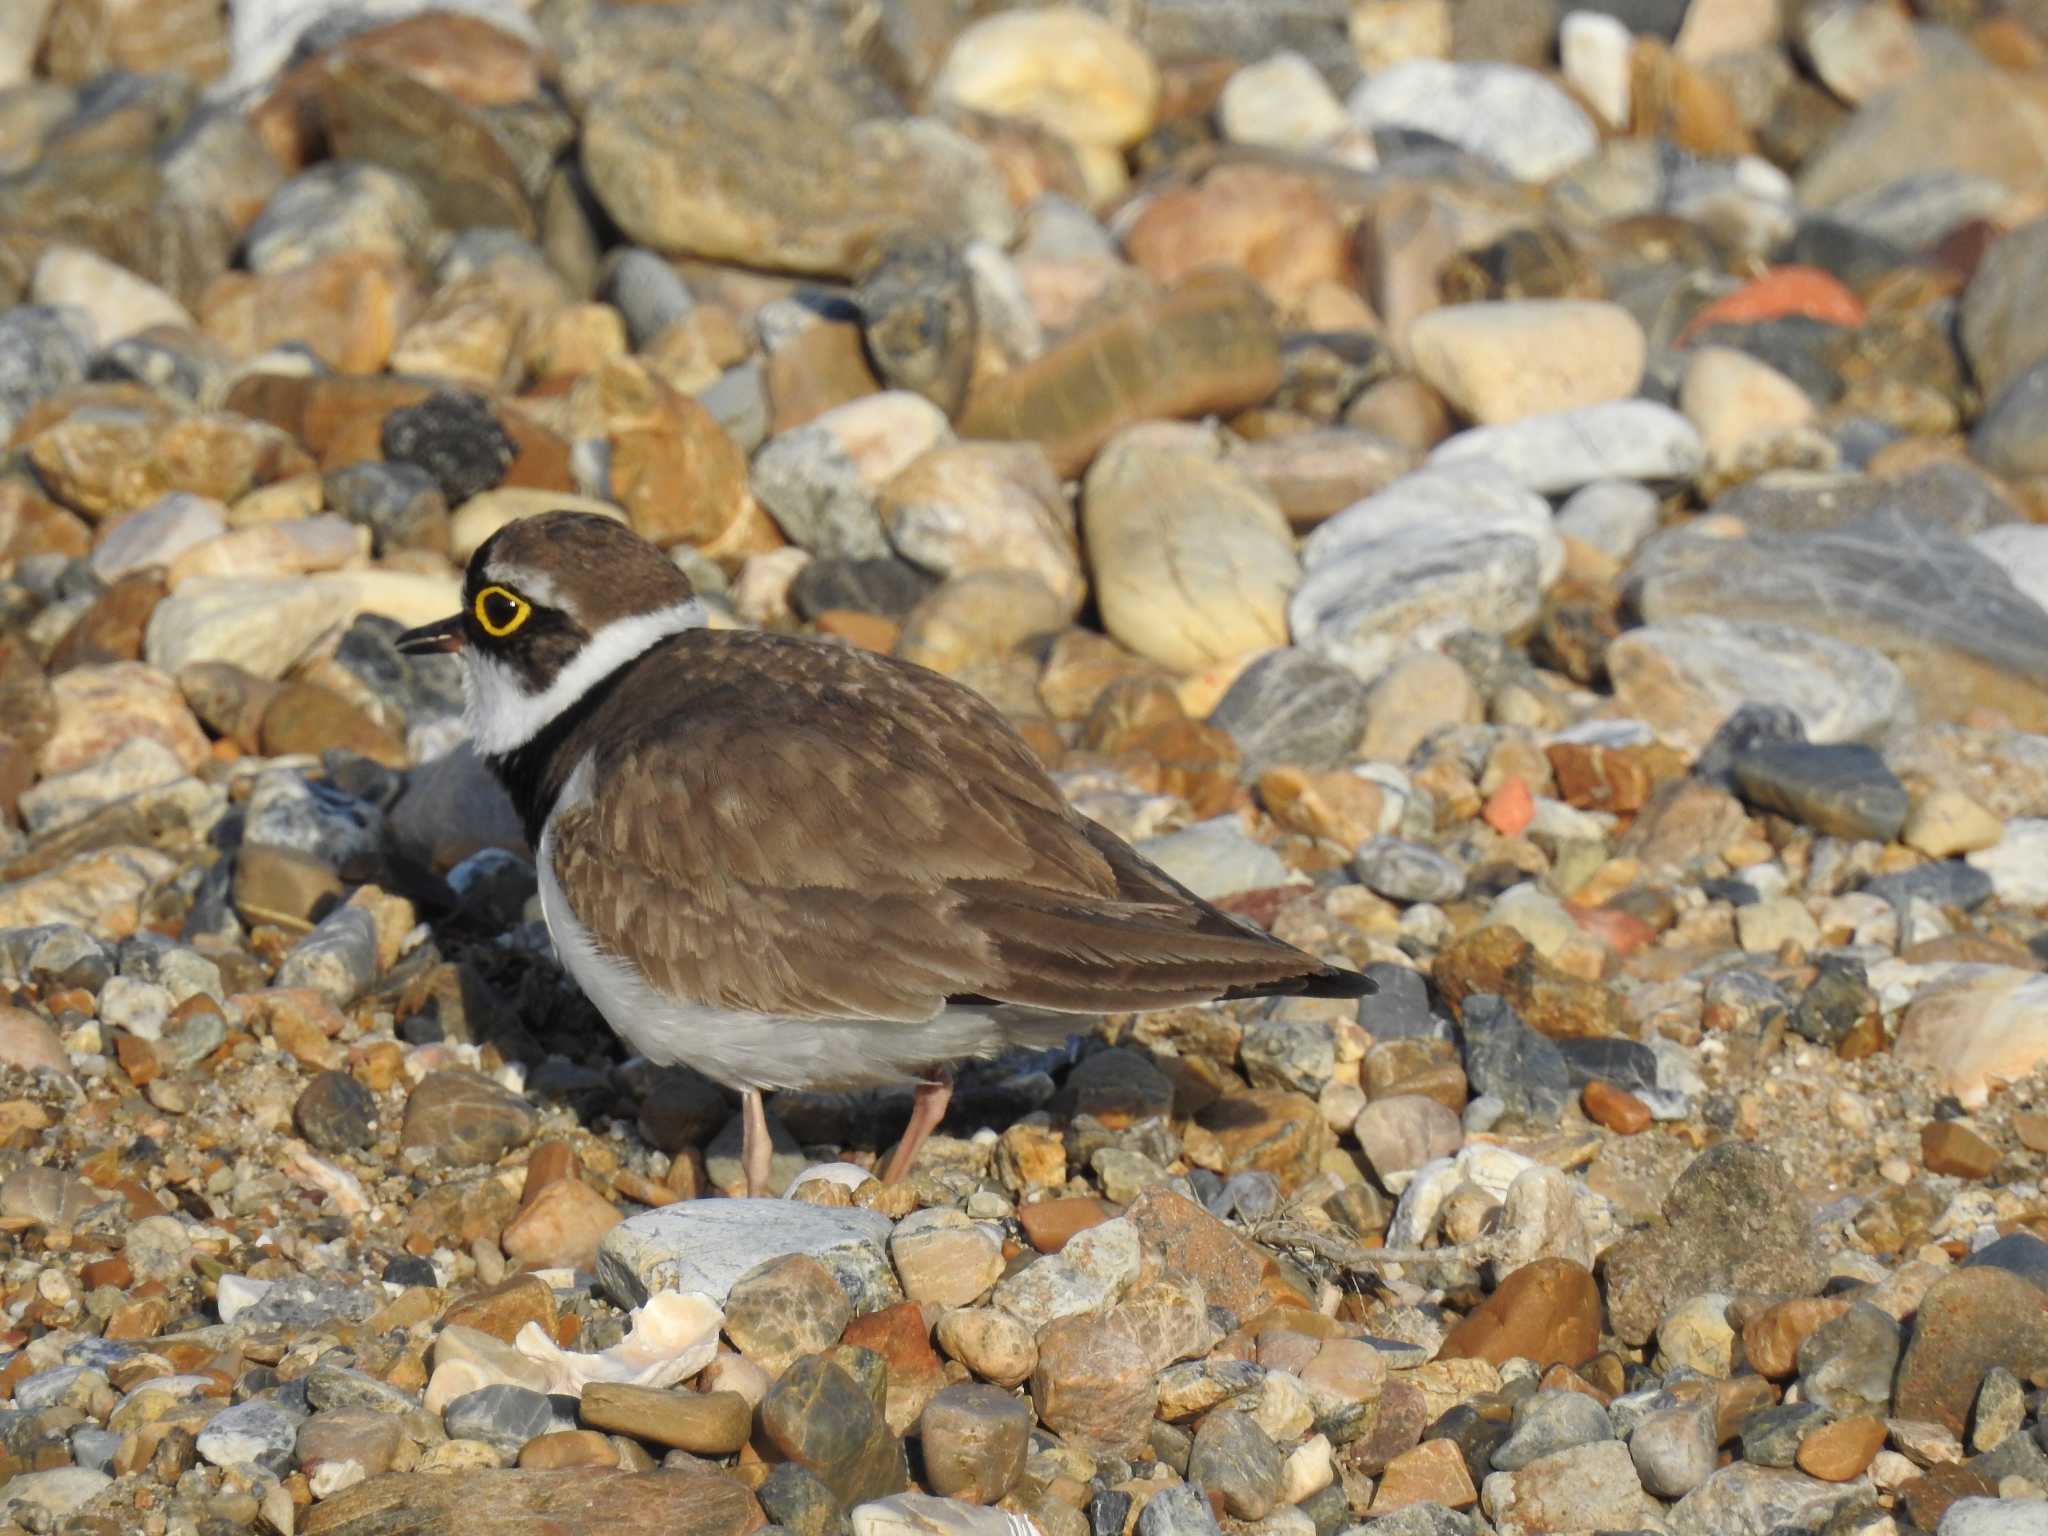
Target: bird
(792,863)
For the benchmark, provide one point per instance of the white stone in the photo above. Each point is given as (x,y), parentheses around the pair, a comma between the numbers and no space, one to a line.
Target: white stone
(978,506)
(1596,51)
(1762,926)
(2021,551)
(1588,1487)
(1994,1517)
(58,1492)
(263,625)
(1744,1499)
(1448,548)
(705,1245)
(1975,1029)
(1281,102)
(2018,863)
(1059,66)
(1501,361)
(1503,112)
(236,1294)
(119,302)
(924,1514)
(157,534)
(1563,450)
(1089,1273)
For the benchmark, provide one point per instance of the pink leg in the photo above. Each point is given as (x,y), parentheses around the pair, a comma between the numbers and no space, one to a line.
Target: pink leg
(926,1111)
(756,1149)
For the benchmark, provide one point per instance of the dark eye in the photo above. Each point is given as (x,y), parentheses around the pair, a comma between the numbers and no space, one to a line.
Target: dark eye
(500,611)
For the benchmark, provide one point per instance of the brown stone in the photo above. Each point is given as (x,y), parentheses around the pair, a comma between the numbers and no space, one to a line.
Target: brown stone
(1839,1452)
(1432,1473)
(1949,1146)
(2032,1130)
(305,717)
(1277,226)
(348,308)
(823,366)
(1330,804)
(568,1448)
(1619,779)
(1771,1339)
(1049,1224)
(1095,1384)
(1209,346)
(1968,1322)
(1928,1497)
(85,39)
(1230,1266)
(703,1423)
(1548,1312)
(1501,961)
(460,56)
(560,1227)
(505,1309)
(900,1335)
(1616,1108)
(1271,1130)
(529,1502)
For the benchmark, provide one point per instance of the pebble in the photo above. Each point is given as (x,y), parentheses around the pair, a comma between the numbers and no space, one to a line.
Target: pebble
(1560,451)
(1548,1422)
(1408,872)
(707,1245)
(1476,356)
(821,1418)
(1591,1486)
(503,1417)
(1292,707)
(1500,112)
(993,1345)
(821,481)
(785,1308)
(1674,1449)
(463,1117)
(1060,67)
(702,1423)
(975,1440)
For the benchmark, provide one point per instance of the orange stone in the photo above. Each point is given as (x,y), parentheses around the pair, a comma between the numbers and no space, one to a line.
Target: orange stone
(1949,1146)
(1050,1223)
(1622,932)
(504,1309)
(551,1160)
(2032,1130)
(137,1057)
(1333,804)
(1735,1400)
(1771,1339)
(1548,1312)
(1842,1450)
(1616,1108)
(1510,809)
(1782,291)
(900,1336)
(1433,1473)
(869,631)
(561,1228)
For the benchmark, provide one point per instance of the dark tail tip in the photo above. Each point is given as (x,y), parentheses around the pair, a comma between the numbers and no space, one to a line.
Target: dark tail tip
(1329,981)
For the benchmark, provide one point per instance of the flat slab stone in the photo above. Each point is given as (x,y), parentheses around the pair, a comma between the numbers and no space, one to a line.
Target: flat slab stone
(705,1245)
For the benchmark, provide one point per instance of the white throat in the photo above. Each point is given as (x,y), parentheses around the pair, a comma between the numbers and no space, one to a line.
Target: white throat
(501,714)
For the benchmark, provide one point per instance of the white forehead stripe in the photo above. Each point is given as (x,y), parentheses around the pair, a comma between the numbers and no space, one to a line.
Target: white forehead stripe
(535,586)
(503,716)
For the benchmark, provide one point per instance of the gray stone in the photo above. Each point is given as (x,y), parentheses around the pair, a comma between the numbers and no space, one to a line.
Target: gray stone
(1743,1500)
(300,1303)
(1295,708)
(456,437)
(1218,858)
(1501,112)
(1563,450)
(1236,1461)
(337,206)
(2021,1252)
(2011,437)
(1447,548)
(1734,1221)
(2001,324)
(338,959)
(42,350)
(1994,1517)
(918,319)
(820,1417)
(401,504)
(1847,1363)
(1952,497)
(504,1417)
(167,527)
(1287,1052)
(647,291)
(1506,1058)
(1419,1520)
(54,1493)
(1612,516)
(1962,634)
(1673,1449)
(975,1438)
(1771,1436)
(261,1432)
(1842,789)
(1548,1422)
(705,1245)
(1405,871)
(1178,1510)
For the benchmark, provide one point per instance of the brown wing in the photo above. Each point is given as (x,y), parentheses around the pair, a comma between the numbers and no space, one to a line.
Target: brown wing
(837,835)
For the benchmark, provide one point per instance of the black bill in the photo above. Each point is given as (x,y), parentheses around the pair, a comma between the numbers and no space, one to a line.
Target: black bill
(441,635)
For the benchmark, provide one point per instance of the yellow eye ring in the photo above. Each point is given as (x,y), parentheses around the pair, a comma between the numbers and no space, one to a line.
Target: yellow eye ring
(500,611)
